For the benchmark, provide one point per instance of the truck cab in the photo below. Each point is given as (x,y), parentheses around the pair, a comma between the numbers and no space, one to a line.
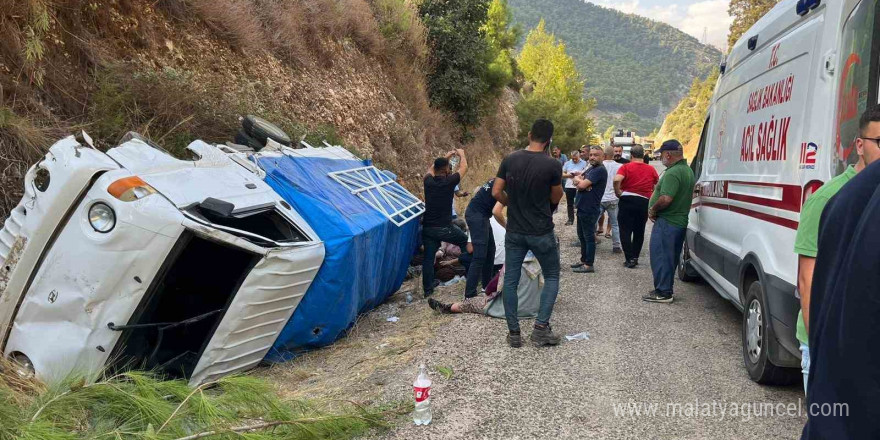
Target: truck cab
(135,259)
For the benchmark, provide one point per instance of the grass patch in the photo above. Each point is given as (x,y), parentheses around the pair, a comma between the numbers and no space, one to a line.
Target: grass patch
(137,405)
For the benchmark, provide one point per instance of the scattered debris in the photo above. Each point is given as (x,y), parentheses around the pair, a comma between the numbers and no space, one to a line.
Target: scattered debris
(393,319)
(445,371)
(582,336)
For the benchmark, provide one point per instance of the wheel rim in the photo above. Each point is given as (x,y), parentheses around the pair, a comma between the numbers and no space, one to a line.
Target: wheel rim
(755,331)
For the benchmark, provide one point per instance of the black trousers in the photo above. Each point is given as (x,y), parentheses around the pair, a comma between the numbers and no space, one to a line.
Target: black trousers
(632,217)
(569,202)
(480,269)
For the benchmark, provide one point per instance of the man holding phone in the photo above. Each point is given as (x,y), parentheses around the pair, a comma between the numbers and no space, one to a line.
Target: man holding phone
(437,224)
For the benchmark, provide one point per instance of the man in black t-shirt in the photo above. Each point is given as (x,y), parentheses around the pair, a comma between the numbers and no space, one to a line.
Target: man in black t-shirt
(477,215)
(529,182)
(437,224)
(618,155)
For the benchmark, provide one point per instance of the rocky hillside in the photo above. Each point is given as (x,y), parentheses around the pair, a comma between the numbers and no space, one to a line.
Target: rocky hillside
(349,71)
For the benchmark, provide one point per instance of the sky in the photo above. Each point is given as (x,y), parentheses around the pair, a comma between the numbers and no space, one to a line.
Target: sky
(691,16)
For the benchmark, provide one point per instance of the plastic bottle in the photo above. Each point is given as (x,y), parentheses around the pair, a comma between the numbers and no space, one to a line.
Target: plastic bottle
(422,394)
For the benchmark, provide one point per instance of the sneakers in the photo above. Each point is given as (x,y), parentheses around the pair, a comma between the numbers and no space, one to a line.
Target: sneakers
(576,244)
(439,306)
(544,336)
(583,269)
(617,250)
(578,264)
(631,264)
(569,223)
(514,339)
(657,297)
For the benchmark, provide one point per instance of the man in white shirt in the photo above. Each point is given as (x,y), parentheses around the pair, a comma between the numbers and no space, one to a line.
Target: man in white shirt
(610,200)
(574,167)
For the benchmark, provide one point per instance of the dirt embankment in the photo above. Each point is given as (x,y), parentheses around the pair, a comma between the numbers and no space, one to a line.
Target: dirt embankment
(349,71)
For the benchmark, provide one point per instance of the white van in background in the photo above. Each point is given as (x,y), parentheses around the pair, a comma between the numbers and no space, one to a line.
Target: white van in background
(782,121)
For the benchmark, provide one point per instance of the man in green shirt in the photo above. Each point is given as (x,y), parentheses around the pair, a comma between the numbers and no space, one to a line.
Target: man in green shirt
(668,209)
(806,241)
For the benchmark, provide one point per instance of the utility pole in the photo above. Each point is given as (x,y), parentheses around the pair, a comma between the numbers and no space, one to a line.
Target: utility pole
(705,35)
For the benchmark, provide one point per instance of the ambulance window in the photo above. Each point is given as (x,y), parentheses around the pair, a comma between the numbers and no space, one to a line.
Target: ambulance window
(858,77)
(697,164)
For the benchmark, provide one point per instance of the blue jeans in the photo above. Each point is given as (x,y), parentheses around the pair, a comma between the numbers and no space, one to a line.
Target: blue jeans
(482,263)
(611,209)
(546,250)
(805,364)
(666,242)
(431,239)
(586,228)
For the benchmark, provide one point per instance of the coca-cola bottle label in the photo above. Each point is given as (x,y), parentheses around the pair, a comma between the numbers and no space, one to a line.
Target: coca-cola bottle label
(422,394)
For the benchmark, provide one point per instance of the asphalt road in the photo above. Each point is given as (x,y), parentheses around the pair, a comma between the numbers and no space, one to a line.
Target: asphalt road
(684,360)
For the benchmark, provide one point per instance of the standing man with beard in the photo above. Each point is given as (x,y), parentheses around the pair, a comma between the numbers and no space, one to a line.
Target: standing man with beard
(591,188)
(529,183)
(668,209)
(618,155)
(574,167)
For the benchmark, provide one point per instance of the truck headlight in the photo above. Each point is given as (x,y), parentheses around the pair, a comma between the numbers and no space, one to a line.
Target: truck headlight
(129,189)
(102,218)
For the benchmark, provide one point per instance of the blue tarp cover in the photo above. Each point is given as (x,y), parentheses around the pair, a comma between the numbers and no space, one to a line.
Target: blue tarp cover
(366,255)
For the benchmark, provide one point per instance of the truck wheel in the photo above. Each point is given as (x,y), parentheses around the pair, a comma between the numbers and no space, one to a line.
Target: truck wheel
(685,270)
(756,334)
(261,130)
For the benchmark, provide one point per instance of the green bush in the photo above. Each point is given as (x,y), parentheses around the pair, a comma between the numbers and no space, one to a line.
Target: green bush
(460,56)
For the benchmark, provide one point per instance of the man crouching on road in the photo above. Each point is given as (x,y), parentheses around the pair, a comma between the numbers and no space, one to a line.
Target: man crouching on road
(529,183)
(437,224)
(668,209)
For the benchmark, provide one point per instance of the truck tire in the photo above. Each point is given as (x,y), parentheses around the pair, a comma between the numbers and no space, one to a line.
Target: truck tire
(261,130)
(756,336)
(685,270)
(242,138)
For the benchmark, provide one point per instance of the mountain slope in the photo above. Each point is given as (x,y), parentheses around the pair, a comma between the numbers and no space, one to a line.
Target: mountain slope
(631,63)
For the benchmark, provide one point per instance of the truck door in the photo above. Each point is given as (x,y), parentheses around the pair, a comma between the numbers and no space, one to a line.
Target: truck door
(859,71)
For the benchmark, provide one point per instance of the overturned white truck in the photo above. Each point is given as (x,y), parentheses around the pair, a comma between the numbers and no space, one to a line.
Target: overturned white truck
(133,258)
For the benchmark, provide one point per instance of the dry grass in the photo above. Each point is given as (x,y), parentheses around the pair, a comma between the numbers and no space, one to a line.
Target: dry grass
(235,21)
(374,354)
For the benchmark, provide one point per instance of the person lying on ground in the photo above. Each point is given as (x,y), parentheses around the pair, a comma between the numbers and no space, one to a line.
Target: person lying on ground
(474,304)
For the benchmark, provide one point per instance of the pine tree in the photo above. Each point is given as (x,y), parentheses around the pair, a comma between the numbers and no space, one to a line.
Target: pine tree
(556,91)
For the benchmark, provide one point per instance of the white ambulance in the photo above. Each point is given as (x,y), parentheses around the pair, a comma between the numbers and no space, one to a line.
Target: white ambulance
(782,121)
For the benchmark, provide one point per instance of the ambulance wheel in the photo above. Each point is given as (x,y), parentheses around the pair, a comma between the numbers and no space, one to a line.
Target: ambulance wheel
(756,336)
(685,270)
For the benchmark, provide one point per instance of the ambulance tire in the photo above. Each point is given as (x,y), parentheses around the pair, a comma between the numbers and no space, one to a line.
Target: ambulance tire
(756,337)
(685,270)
